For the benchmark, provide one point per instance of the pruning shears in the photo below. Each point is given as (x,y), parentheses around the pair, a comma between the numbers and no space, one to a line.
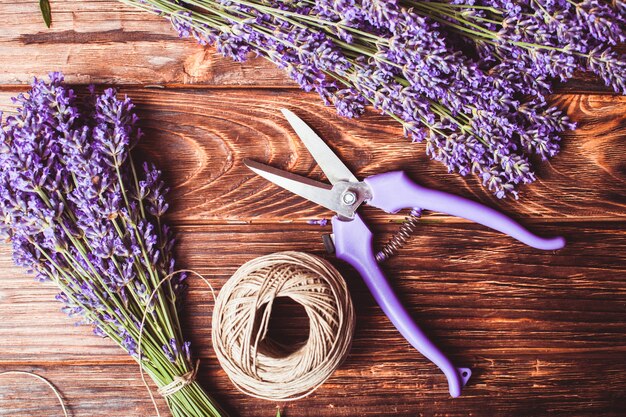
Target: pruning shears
(352,239)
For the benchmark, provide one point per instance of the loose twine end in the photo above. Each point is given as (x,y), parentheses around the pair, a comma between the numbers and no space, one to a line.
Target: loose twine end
(44,380)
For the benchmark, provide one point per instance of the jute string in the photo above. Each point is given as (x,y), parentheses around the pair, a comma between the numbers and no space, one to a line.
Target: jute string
(180,381)
(259,366)
(44,380)
(176,385)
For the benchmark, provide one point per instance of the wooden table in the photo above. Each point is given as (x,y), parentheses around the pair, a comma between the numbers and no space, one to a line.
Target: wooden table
(544,332)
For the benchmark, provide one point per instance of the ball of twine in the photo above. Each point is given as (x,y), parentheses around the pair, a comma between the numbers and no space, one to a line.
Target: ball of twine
(259,366)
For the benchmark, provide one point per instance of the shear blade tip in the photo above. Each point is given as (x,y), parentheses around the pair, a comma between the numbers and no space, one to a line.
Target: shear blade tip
(253,166)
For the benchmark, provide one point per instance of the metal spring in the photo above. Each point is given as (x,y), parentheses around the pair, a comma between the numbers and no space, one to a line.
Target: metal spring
(400,237)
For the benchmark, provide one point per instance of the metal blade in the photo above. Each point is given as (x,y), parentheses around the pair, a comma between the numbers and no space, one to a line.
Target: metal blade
(312,190)
(330,163)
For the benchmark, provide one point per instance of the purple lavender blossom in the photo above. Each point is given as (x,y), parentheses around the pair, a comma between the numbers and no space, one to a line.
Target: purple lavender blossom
(77,214)
(187,350)
(532,41)
(319,222)
(481,113)
(71,211)
(171,350)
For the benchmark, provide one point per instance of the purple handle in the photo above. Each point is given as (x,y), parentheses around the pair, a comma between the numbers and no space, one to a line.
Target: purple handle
(353,244)
(393,191)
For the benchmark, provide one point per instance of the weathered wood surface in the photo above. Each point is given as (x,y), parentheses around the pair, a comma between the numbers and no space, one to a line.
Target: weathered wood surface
(108,42)
(201,136)
(97,41)
(541,330)
(544,332)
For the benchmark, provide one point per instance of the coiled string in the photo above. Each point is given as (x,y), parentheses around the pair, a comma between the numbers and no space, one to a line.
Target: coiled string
(259,366)
(255,364)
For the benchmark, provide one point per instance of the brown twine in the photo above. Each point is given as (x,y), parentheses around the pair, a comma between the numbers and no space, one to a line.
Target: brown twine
(180,381)
(335,319)
(257,366)
(48,383)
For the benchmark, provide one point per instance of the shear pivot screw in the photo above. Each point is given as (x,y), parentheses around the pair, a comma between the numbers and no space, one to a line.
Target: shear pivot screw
(348,198)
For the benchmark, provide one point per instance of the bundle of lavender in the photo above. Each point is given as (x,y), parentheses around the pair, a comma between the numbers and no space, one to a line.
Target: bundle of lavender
(469,77)
(78,214)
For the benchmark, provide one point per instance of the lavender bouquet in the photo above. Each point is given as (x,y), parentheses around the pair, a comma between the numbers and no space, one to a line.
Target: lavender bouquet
(78,214)
(468,77)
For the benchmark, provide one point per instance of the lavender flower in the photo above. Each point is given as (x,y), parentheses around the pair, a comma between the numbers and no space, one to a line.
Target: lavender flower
(538,39)
(481,113)
(171,350)
(78,215)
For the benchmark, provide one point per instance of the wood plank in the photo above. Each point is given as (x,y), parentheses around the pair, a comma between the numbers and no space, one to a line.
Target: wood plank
(107,42)
(136,47)
(199,138)
(486,274)
(92,390)
(380,389)
(530,323)
(544,332)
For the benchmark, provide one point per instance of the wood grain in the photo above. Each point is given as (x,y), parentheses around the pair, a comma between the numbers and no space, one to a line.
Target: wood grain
(529,323)
(107,42)
(97,41)
(544,332)
(200,137)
